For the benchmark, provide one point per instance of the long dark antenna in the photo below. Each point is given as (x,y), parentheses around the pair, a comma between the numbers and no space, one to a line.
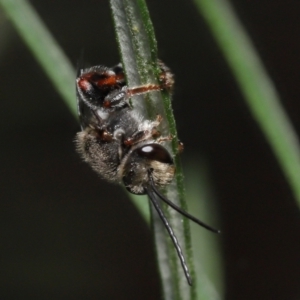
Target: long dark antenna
(152,197)
(180,210)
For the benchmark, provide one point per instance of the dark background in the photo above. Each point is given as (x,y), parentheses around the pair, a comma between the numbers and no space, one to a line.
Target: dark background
(66,234)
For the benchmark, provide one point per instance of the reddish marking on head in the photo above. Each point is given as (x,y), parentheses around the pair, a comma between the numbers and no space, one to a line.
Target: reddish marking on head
(101,80)
(83,84)
(106,81)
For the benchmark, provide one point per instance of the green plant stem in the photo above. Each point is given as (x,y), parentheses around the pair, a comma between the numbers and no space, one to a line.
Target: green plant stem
(138,50)
(256,86)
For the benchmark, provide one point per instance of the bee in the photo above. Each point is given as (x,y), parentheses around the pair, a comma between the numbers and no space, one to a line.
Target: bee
(123,146)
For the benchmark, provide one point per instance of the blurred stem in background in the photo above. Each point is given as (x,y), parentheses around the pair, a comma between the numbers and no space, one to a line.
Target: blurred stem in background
(206,246)
(256,86)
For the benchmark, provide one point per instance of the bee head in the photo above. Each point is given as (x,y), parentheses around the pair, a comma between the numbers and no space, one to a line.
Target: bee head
(150,160)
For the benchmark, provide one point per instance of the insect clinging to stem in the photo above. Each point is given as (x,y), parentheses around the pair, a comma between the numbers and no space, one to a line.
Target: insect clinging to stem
(123,146)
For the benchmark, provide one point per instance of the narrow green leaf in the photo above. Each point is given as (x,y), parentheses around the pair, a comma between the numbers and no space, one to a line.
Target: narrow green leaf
(256,86)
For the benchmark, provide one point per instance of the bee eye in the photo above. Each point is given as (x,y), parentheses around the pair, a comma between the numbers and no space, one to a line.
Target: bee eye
(155,152)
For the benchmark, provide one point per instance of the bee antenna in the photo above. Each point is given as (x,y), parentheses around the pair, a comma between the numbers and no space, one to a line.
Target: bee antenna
(151,193)
(180,210)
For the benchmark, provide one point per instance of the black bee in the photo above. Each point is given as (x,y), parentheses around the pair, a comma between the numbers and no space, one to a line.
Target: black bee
(120,144)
